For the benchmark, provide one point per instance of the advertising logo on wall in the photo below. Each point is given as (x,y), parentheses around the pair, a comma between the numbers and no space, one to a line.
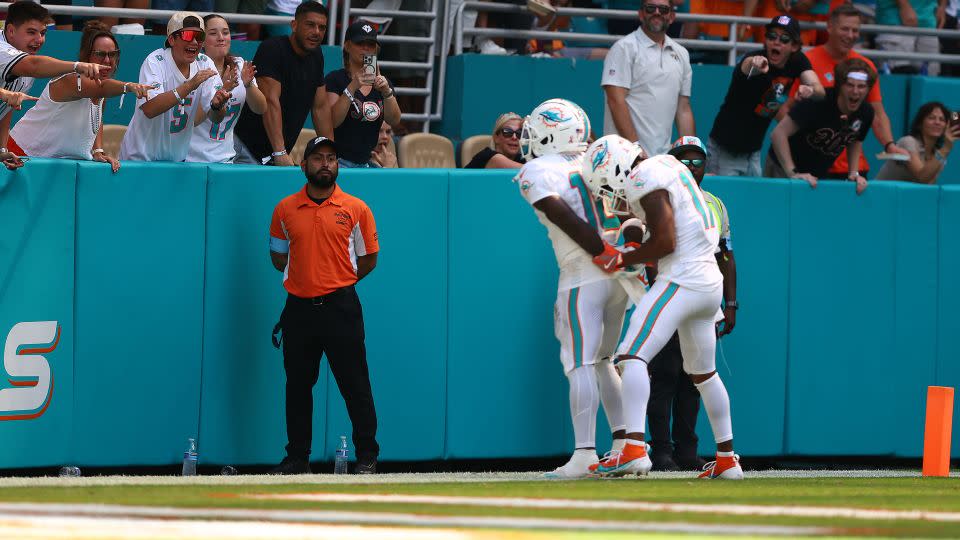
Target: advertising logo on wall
(29,385)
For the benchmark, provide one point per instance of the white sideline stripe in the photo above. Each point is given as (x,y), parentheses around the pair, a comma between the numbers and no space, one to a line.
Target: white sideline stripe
(21,511)
(578,504)
(405,478)
(99,528)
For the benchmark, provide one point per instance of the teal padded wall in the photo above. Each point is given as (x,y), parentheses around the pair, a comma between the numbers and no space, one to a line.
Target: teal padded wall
(160,279)
(948,298)
(241,409)
(139,309)
(760,224)
(37,229)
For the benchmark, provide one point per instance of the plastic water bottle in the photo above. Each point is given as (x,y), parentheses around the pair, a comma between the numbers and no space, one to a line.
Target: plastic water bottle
(190,458)
(340,464)
(69,472)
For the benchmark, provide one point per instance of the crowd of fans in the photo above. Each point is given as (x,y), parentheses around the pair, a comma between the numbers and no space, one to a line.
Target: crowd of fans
(198,102)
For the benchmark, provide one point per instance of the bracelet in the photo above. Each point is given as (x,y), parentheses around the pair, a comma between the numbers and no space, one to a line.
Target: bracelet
(4,150)
(75,66)
(278,154)
(249,84)
(732,304)
(388,96)
(98,151)
(180,100)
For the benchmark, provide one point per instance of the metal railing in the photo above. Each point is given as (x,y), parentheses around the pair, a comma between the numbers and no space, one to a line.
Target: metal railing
(730,45)
(153,14)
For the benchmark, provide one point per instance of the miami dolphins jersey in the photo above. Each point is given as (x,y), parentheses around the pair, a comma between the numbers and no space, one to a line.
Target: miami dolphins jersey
(692,263)
(560,175)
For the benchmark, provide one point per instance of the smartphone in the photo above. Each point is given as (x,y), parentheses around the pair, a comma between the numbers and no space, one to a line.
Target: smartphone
(954,118)
(369,71)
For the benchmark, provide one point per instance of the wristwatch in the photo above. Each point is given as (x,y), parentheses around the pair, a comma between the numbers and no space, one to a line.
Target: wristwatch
(732,304)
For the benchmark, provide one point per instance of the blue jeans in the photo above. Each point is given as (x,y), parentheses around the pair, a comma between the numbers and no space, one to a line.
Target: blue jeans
(347,164)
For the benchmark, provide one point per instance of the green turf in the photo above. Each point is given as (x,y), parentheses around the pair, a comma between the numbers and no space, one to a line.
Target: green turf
(933,494)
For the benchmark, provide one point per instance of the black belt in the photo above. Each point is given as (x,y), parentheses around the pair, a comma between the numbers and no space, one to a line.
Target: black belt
(320,300)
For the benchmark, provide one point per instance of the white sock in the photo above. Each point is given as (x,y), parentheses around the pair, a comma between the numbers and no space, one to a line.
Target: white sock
(610,393)
(717,403)
(584,404)
(636,392)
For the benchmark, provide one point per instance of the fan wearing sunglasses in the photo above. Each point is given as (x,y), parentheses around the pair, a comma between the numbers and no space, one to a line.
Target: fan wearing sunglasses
(67,122)
(759,87)
(182,82)
(505,153)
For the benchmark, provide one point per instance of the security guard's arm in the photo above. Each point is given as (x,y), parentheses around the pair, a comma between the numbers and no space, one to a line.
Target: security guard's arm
(728,267)
(365,264)
(279,260)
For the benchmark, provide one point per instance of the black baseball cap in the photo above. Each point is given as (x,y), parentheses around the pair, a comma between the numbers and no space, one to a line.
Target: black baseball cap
(787,23)
(313,144)
(361,31)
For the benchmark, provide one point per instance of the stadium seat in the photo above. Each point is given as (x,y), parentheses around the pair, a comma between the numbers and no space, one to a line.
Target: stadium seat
(471,145)
(426,151)
(306,135)
(112,136)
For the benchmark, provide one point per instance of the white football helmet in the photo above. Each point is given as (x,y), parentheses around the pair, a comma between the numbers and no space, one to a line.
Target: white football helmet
(554,127)
(606,164)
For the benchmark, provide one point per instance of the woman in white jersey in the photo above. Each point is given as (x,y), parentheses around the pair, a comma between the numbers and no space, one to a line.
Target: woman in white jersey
(66,121)
(183,82)
(212,142)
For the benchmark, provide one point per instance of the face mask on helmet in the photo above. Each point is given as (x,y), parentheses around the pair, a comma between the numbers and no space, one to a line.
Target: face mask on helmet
(555,126)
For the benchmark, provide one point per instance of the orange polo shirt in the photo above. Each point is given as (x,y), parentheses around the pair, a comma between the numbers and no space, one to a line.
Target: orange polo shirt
(824,64)
(322,242)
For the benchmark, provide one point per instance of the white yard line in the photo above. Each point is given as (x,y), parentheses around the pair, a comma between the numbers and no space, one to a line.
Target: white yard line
(403,478)
(640,506)
(24,512)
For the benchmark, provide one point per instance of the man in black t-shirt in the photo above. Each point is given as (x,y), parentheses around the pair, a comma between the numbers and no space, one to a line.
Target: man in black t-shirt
(760,85)
(809,139)
(290,75)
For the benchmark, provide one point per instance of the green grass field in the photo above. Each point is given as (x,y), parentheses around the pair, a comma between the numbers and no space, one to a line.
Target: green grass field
(457,500)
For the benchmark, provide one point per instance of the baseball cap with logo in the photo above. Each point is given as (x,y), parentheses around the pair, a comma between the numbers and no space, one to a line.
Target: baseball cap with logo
(317,142)
(361,31)
(184,20)
(687,142)
(787,23)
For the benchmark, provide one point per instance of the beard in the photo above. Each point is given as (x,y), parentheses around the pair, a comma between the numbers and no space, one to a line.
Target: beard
(322,178)
(655,25)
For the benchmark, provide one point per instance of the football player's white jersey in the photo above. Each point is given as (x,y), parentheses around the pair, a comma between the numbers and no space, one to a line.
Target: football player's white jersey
(9,57)
(560,175)
(213,142)
(166,137)
(692,264)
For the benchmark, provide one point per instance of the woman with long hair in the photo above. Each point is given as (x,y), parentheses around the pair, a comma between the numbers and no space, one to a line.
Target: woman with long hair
(930,141)
(67,120)
(505,153)
(360,98)
(183,83)
(212,142)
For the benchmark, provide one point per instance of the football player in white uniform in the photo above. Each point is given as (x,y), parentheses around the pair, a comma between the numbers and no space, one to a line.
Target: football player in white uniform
(590,307)
(686,296)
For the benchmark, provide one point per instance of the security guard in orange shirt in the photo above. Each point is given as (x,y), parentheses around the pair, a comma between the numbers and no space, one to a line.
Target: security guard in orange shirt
(324,241)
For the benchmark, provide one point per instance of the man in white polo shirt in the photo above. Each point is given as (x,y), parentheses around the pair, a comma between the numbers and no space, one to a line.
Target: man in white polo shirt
(647,79)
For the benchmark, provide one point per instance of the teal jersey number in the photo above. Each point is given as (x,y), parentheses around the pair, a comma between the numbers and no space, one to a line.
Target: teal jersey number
(180,116)
(218,134)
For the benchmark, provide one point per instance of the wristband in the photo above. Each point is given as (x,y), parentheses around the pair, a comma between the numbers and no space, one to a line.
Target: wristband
(98,151)
(732,304)
(278,154)
(4,151)
(75,66)
(388,96)
(180,100)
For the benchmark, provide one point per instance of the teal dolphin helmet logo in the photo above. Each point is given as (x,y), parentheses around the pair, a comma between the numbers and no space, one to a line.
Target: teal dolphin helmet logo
(554,116)
(600,157)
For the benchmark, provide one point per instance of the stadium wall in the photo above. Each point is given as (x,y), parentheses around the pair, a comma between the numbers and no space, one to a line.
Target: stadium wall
(160,282)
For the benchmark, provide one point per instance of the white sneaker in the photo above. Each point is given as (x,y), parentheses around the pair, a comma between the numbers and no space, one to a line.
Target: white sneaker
(577,467)
(487,46)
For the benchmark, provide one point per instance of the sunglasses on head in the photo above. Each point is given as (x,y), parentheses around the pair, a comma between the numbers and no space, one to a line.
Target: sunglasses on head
(694,162)
(190,35)
(508,133)
(650,9)
(783,38)
(101,55)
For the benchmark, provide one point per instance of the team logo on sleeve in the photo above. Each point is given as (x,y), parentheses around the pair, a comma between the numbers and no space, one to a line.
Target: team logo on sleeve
(159,57)
(525,185)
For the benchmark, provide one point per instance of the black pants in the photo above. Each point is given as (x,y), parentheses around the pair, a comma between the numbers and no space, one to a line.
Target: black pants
(331,324)
(672,390)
